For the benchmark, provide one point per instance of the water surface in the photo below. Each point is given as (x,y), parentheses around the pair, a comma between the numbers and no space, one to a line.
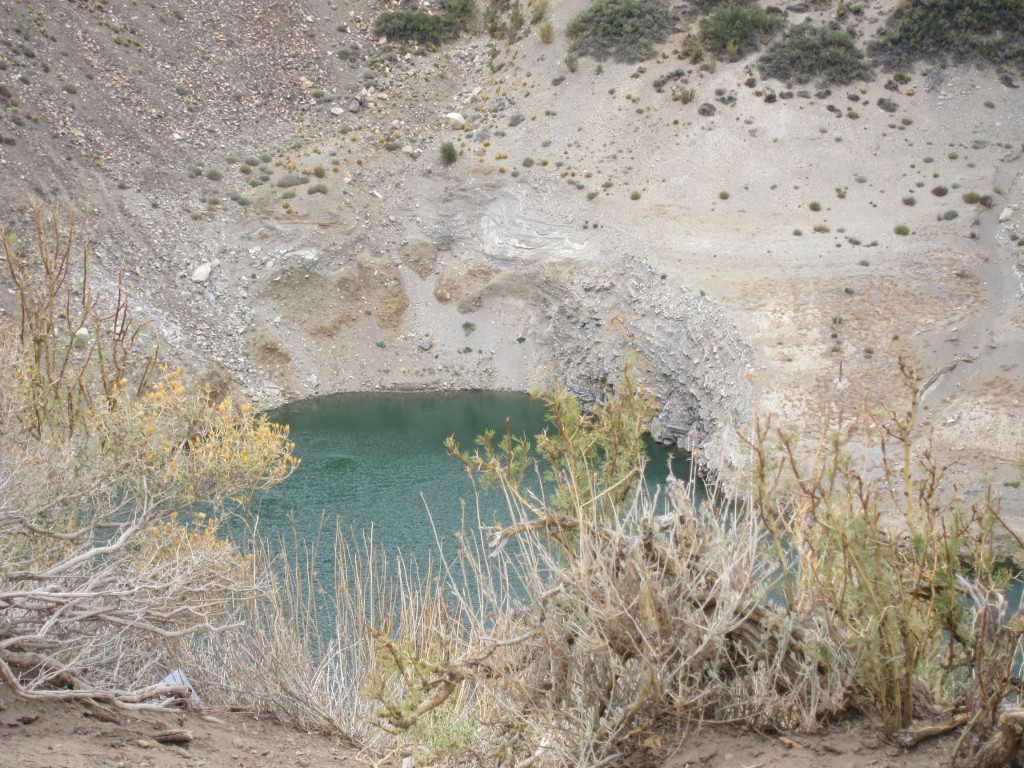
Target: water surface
(377,462)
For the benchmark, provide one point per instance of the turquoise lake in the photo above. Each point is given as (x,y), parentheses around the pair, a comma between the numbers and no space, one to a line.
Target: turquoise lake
(376,461)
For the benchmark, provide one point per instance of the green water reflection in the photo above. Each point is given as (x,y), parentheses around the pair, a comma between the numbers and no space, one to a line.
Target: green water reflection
(377,461)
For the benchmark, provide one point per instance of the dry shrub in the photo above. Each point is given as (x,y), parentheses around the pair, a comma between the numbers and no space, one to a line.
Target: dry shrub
(903,573)
(105,461)
(587,623)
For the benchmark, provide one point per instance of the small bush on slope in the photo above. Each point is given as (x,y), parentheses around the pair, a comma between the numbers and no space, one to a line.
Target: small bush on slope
(806,53)
(733,32)
(961,30)
(625,30)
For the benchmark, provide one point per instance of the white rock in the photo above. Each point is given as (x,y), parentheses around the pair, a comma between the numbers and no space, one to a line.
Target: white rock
(337,111)
(1006,214)
(455,120)
(202,273)
(81,337)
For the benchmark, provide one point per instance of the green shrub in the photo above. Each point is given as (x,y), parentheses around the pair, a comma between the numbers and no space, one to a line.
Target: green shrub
(448,153)
(815,206)
(685,95)
(317,189)
(292,180)
(539,11)
(901,229)
(459,16)
(403,26)
(991,30)
(733,32)
(546,32)
(634,195)
(822,54)
(214,175)
(625,30)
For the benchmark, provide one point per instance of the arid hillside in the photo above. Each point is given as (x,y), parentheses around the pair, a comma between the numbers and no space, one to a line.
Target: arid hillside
(270,176)
(301,205)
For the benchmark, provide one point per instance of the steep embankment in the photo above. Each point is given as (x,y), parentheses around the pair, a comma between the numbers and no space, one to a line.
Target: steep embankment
(271,178)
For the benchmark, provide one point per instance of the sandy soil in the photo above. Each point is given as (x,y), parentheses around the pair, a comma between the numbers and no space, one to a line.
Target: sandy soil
(74,735)
(77,735)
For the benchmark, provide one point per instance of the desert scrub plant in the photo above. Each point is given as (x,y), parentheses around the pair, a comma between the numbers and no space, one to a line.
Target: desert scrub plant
(459,16)
(685,95)
(448,153)
(625,30)
(826,55)
(958,30)
(316,189)
(115,475)
(901,229)
(600,648)
(538,11)
(546,32)
(399,26)
(292,180)
(899,606)
(732,32)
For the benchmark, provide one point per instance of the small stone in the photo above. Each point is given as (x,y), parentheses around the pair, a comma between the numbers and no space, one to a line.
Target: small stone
(336,111)
(202,273)
(1006,214)
(81,337)
(237,743)
(144,744)
(455,120)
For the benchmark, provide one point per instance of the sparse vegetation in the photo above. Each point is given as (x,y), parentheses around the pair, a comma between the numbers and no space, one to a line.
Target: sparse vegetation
(407,26)
(538,11)
(448,153)
(733,31)
(958,30)
(901,229)
(626,30)
(685,95)
(546,31)
(115,476)
(292,180)
(827,55)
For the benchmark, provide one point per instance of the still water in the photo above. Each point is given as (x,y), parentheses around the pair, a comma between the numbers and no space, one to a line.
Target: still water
(378,462)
